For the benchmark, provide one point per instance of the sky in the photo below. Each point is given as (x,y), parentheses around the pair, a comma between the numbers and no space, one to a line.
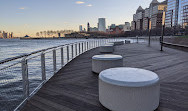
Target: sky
(30,16)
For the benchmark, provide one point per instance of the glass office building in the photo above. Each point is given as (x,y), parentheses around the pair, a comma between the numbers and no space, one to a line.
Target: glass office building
(177,13)
(183,11)
(172,13)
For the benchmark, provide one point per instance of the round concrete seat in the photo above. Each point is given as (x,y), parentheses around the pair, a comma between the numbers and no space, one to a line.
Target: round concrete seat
(127,41)
(119,43)
(102,62)
(108,48)
(129,89)
(110,43)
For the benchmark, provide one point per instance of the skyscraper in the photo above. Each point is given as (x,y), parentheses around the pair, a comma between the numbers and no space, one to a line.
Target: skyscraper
(88,27)
(172,13)
(183,13)
(80,28)
(102,24)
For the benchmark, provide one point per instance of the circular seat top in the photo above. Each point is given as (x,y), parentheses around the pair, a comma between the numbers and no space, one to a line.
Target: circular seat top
(107,57)
(130,77)
(107,45)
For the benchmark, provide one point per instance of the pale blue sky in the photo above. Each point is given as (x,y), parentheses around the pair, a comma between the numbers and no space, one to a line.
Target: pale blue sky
(29,16)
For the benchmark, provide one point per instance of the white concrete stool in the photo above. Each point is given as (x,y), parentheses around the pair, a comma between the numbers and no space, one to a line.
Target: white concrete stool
(102,62)
(110,43)
(108,48)
(119,43)
(127,42)
(129,89)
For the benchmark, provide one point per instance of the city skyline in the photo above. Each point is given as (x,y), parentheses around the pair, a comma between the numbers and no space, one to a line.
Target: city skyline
(28,17)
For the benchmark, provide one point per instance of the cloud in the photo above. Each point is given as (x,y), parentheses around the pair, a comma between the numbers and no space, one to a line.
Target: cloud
(89,5)
(22,8)
(80,2)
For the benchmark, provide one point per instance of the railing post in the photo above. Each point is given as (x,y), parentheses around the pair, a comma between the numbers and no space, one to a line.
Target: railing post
(82,47)
(25,78)
(72,52)
(43,66)
(76,49)
(67,54)
(62,58)
(54,61)
(79,48)
(87,46)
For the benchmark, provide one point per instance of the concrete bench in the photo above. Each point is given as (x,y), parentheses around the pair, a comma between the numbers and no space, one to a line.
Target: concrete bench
(129,89)
(118,43)
(127,42)
(108,48)
(102,62)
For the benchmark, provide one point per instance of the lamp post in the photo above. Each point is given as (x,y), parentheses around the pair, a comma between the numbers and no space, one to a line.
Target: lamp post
(163,28)
(149,40)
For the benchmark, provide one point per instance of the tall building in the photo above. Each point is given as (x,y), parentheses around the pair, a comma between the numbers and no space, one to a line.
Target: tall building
(88,27)
(102,24)
(152,4)
(172,13)
(157,15)
(1,34)
(5,34)
(127,26)
(146,19)
(139,18)
(93,29)
(80,28)
(183,13)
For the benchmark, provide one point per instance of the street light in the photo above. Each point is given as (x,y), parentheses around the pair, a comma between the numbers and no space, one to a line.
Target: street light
(149,41)
(163,28)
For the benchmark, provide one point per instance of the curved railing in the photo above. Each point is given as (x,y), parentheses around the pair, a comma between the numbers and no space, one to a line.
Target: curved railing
(22,76)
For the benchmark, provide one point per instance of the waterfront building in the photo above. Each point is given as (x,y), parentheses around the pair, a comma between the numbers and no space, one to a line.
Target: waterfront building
(5,34)
(152,4)
(80,28)
(102,24)
(1,34)
(146,19)
(137,23)
(172,13)
(176,14)
(183,13)
(93,29)
(88,27)
(157,15)
(127,27)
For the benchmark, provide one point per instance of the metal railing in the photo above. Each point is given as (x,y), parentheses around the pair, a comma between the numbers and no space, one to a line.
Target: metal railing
(22,76)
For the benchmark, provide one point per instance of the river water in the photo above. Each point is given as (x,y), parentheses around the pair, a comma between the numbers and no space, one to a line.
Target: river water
(11,84)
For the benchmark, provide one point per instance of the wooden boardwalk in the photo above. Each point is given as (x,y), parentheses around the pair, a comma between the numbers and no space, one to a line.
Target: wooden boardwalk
(75,87)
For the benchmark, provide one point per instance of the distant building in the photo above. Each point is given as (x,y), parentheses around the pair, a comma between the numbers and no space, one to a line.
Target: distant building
(172,13)
(139,18)
(157,15)
(127,27)
(88,27)
(102,24)
(183,17)
(80,28)
(146,19)
(1,34)
(153,15)
(5,34)
(93,29)
(176,14)
(116,29)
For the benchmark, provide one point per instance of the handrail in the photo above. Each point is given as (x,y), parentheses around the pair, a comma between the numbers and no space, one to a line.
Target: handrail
(35,52)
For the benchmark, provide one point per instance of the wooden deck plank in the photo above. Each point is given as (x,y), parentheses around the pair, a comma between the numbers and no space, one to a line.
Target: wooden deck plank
(75,87)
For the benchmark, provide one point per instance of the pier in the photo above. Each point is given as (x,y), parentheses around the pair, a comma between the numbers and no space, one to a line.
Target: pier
(75,86)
